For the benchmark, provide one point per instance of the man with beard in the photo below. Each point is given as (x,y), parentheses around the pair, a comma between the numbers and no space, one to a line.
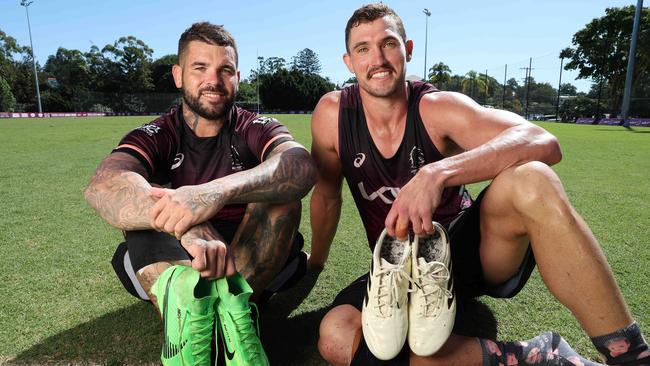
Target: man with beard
(233,180)
(406,150)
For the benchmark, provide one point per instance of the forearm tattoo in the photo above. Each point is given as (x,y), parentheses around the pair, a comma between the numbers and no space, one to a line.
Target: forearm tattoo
(120,194)
(287,175)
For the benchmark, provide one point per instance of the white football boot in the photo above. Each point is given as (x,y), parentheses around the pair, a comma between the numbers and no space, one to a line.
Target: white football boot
(432,307)
(384,315)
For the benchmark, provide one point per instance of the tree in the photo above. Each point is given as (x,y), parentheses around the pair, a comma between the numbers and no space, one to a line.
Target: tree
(579,106)
(306,61)
(247,92)
(270,65)
(69,67)
(439,75)
(568,89)
(161,74)
(17,71)
(8,48)
(601,48)
(292,90)
(7,100)
(128,62)
(473,84)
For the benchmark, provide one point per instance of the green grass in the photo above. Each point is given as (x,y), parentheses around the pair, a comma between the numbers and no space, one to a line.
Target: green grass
(61,302)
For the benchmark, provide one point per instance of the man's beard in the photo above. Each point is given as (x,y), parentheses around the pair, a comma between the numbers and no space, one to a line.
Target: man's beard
(213,111)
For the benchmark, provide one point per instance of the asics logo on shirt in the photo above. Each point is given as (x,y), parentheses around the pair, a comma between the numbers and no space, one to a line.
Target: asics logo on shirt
(386,194)
(359,159)
(178,160)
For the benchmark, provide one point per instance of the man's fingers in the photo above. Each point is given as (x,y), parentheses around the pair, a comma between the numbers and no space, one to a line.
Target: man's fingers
(221,261)
(210,270)
(159,192)
(198,254)
(182,226)
(170,224)
(389,223)
(416,223)
(427,226)
(401,229)
(230,266)
(155,211)
(161,220)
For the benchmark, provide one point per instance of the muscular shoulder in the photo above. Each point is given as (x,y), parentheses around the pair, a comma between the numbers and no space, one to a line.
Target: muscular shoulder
(446,106)
(328,105)
(325,120)
(445,115)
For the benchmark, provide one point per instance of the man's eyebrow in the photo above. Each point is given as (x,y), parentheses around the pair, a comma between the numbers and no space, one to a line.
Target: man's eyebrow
(362,43)
(198,63)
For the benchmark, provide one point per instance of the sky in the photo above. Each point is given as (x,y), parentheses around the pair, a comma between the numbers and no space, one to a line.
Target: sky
(465,35)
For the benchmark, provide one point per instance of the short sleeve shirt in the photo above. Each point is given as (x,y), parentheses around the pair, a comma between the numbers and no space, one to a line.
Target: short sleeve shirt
(173,155)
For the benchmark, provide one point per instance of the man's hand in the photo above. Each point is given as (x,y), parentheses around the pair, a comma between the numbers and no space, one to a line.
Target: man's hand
(414,205)
(177,210)
(209,252)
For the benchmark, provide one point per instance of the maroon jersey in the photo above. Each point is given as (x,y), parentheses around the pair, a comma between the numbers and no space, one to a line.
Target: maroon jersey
(375,181)
(174,155)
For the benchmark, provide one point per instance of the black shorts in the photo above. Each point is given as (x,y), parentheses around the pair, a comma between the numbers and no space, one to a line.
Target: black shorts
(465,238)
(145,247)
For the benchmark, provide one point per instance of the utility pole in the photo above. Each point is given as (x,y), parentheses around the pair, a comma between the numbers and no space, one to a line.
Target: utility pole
(257,82)
(630,64)
(528,73)
(559,86)
(486,86)
(505,75)
(427,14)
(26,4)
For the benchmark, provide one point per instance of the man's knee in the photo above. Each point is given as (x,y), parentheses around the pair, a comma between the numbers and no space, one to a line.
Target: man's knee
(338,331)
(532,186)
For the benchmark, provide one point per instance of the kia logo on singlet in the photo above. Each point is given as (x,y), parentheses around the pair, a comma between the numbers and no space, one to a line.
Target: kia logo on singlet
(381,193)
(359,159)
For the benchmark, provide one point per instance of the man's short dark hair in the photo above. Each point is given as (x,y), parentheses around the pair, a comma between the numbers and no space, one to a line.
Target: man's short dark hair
(372,12)
(209,33)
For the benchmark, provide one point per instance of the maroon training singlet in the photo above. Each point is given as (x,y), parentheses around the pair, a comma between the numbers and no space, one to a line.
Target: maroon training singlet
(174,155)
(375,181)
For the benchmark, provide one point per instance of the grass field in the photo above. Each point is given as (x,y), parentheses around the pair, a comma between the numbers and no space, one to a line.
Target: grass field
(61,303)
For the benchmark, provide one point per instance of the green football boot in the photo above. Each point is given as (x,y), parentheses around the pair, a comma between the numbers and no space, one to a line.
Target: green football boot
(239,331)
(186,303)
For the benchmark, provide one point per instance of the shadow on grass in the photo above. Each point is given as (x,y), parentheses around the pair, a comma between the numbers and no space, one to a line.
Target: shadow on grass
(132,335)
(475,319)
(292,340)
(129,335)
(625,129)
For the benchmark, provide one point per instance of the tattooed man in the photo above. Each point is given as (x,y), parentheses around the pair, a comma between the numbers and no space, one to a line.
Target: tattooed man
(235,180)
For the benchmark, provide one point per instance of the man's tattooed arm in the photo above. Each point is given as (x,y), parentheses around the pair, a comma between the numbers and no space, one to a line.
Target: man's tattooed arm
(286,175)
(120,193)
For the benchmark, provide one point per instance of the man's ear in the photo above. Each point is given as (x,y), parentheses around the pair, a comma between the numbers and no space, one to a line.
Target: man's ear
(409,50)
(348,63)
(177,73)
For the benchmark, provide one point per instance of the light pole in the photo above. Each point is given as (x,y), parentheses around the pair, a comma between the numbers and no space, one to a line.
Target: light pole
(427,13)
(26,4)
(630,64)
